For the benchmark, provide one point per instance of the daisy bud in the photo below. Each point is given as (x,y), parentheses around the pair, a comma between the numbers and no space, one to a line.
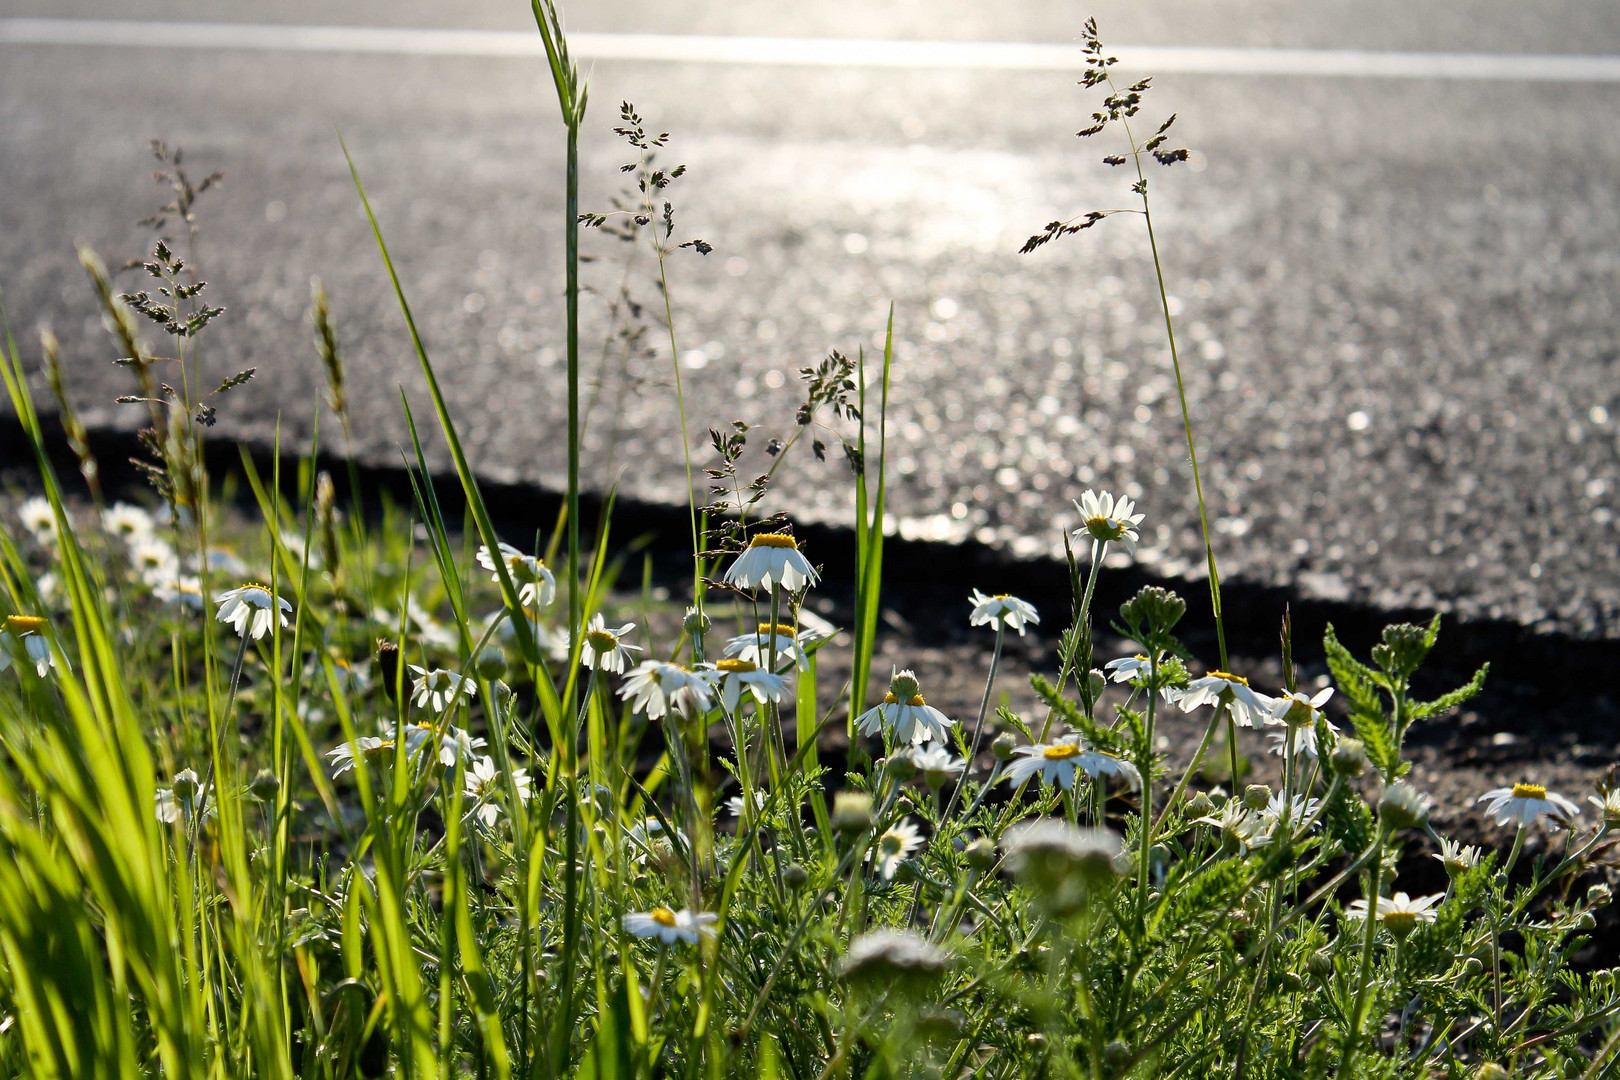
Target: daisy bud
(492,664)
(1256,796)
(1004,746)
(1490,1070)
(1473,967)
(696,624)
(980,855)
(1585,921)
(1116,1053)
(1403,806)
(1599,895)
(1320,963)
(1097,680)
(265,785)
(185,784)
(795,876)
(852,812)
(1200,806)
(900,767)
(1349,758)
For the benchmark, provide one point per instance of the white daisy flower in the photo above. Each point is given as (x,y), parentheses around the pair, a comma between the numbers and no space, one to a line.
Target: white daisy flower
(129,523)
(484,786)
(183,589)
(1522,804)
(1002,611)
(373,749)
(437,688)
(1297,710)
(38,518)
(21,636)
(894,847)
(1400,914)
(1107,521)
(1248,707)
(654,686)
(734,805)
(170,804)
(1136,669)
(1056,762)
(1300,808)
(604,650)
(533,580)
(1304,740)
(1241,829)
(251,609)
(771,559)
(905,714)
(453,743)
(671,926)
(1608,806)
(153,559)
(1457,857)
(936,763)
(790,646)
(737,676)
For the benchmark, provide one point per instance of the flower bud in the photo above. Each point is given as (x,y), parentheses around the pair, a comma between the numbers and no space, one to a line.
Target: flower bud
(1116,1053)
(1585,921)
(1004,746)
(1402,806)
(1097,680)
(1349,758)
(795,876)
(1599,895)
(1490,1070)
(1200,806)
(492,664)
(1320,963)
(1256,796)
(1473,967)
(265,785)
(185,784)
(980,855)
(696,624)
(900,767)
(852,812)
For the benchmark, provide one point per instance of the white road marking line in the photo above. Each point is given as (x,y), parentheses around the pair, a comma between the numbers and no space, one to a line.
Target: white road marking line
(814,52)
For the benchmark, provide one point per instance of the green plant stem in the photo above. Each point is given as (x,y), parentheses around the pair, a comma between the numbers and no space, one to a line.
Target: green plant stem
(1364,974)
(978,725)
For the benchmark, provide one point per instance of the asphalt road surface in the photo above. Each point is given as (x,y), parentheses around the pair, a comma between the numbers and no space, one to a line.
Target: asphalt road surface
(1396,296)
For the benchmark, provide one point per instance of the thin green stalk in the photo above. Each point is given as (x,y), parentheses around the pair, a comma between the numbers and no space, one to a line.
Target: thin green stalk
(1364,974)
(978,724)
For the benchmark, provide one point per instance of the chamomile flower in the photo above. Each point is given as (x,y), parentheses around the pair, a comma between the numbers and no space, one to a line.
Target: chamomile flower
(1248,707)
(905,714)
(1300,809)
(484,787)
(250,610)
(452,743)
(1400,914)
(536,585)
(790,646)
(656,686)
(936,763)
(438,688)
(739,676)
(153,560)
(22,636)
(1456,857)
(128,523)
(1137,669)
(171,804)
(605,649)
(894,847)
(1522,804)
(734,805)
(1002,612)
(38,518)
(1056,763)
(771,559)
(1608,806)
(670,926)
(1107,521)
(1296,710)
(370,747)
(1241,829)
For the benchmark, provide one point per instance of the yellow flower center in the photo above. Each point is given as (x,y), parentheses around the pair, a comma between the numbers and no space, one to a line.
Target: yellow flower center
(255,585)
(777,629)
(18,625)
(662,916)
(1529,791)
(1229,677)
(775,540)
(736,666)
(1002,596)
(601,641)
(1399,921)
(914,699)
(1061,752)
